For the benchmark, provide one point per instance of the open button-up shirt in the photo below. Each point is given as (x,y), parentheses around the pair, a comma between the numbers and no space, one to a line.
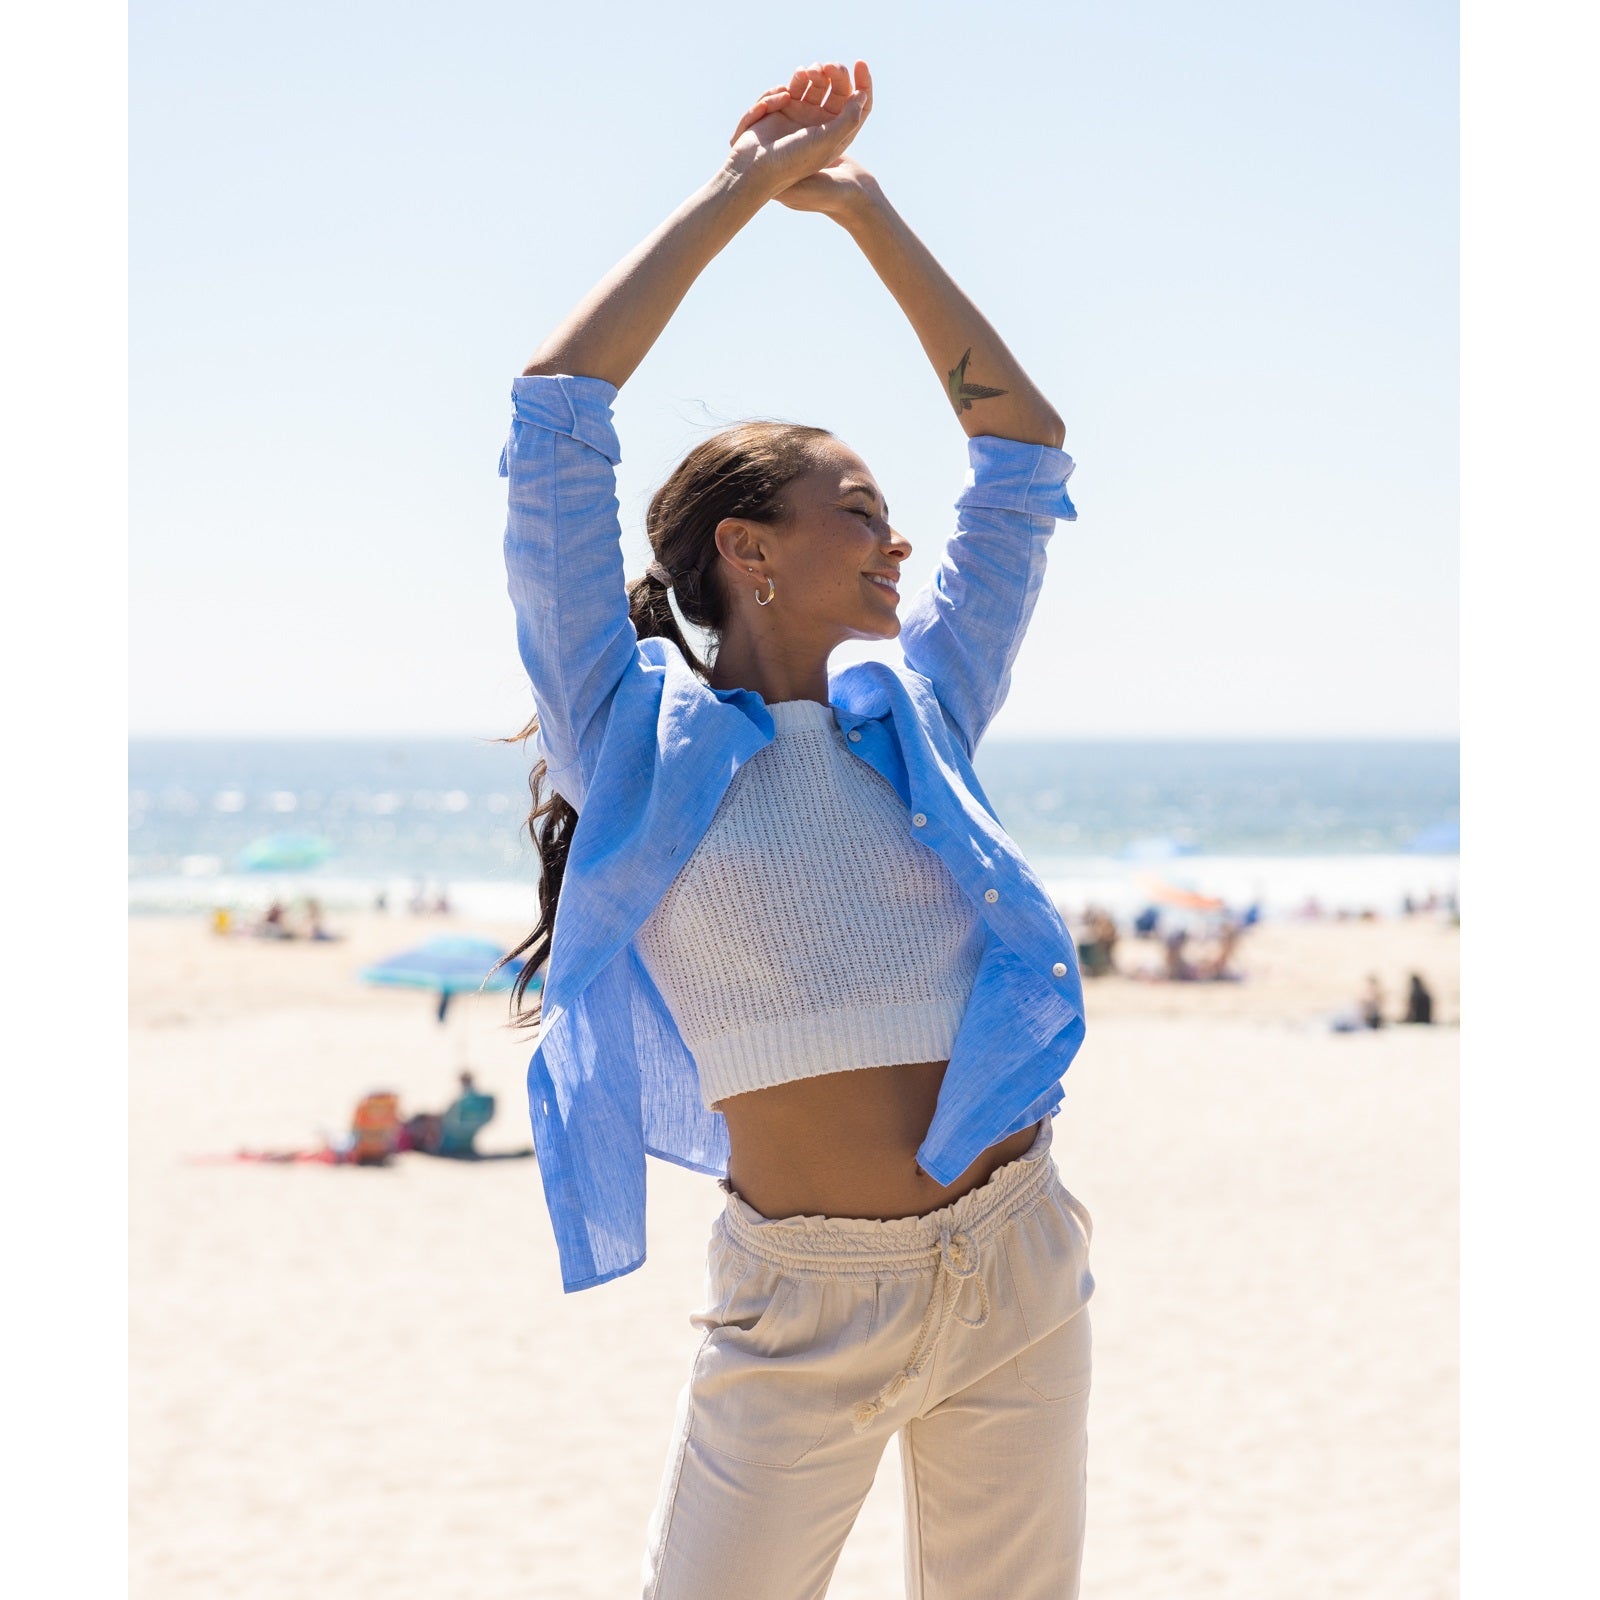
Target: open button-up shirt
(644,749)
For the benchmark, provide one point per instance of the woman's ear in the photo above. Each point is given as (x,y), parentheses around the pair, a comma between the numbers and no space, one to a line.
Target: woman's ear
(740,542)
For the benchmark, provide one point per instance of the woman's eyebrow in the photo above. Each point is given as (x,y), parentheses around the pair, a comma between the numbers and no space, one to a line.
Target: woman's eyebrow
(866,489)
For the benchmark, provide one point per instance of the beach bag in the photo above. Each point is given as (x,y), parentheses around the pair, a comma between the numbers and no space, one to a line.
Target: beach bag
(375,1128)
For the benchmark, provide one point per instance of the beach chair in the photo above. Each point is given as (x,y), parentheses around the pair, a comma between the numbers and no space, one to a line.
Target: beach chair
(467,1114)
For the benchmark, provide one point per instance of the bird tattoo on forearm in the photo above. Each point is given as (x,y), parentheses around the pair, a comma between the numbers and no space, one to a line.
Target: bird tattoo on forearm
(962,393)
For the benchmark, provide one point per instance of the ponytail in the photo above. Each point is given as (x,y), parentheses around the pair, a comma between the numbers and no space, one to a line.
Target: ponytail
(650,610)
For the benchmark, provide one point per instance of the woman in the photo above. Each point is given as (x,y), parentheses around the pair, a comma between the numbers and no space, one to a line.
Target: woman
(794,947)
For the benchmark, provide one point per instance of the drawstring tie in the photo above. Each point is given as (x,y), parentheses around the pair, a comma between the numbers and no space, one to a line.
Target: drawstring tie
(958,1261)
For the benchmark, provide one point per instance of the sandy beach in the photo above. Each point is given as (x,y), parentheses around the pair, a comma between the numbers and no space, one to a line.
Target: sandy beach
(363,1383)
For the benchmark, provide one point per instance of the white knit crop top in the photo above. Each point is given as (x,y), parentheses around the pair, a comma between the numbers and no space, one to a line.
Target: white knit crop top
(810,931)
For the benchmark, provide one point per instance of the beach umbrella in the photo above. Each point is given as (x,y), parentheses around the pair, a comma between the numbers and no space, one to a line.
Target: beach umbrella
(1177,895)
(285,852)
(450,965)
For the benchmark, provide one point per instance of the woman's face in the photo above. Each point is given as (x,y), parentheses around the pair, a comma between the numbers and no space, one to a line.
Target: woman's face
(835,563)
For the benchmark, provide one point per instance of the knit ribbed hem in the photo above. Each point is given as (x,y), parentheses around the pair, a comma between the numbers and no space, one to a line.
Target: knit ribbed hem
(824,1041)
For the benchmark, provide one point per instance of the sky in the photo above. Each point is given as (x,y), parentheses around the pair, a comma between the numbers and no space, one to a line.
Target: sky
(1222,240)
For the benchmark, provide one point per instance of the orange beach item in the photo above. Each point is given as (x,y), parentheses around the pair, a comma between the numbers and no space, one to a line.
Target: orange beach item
(375,1126)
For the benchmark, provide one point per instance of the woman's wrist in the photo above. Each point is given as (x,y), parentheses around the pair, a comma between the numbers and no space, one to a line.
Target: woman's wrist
(862,206)
(743,180)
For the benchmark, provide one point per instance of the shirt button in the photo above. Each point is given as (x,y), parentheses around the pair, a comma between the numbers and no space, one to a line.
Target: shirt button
(854,736)
(1059,970)
(991,895)
(919,821)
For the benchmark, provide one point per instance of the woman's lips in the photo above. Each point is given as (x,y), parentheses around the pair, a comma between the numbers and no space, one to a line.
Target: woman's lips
(883,581)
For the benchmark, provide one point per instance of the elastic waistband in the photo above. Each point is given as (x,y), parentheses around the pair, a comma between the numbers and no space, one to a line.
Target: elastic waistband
(861,1246)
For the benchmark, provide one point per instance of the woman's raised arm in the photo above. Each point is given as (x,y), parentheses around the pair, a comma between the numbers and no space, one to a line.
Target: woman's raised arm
(562,543)
(983,382)
(962,630)
(613,327)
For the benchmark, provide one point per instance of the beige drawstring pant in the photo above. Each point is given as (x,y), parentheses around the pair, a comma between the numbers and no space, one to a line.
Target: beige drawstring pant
(965,1331)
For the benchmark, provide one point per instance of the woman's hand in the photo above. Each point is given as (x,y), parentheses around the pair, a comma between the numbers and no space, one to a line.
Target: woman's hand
(798,128)
(835,190)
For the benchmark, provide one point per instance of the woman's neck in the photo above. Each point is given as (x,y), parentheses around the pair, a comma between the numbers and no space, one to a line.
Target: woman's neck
(775,669)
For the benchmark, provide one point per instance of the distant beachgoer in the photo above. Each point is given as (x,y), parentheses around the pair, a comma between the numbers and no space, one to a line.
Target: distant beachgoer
(1419,1002)
(441,902)
(1108,938)
(1097,947)
(1215,968)
(222,920)
(424,1131)
(1146,923)
(315,929)
(1178,969)
(817,907)
(1372,1003)
(381,900)
(275,923)
(450,1132)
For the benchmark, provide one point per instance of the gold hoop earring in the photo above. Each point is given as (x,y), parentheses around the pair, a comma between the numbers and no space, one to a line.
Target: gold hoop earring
(772,589)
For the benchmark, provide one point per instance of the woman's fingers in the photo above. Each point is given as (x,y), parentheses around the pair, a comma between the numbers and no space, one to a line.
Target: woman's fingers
(809,84)
(772,100)
(813,95)
(826,81)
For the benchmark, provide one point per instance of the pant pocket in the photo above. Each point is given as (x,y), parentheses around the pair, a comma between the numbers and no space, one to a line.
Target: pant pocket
(1047,1256)
(766,1382)
(1056,1367)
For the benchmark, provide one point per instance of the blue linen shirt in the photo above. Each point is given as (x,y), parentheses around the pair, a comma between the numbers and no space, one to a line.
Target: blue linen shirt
(644,749)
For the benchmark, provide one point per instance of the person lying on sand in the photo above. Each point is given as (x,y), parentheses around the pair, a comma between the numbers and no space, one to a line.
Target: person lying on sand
(378,1132)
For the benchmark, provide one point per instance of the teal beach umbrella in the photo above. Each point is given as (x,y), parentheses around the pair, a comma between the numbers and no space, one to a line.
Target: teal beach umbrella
(285,852)
(450,965)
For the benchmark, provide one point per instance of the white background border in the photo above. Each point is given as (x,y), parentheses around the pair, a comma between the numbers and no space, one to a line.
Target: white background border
(1530,423)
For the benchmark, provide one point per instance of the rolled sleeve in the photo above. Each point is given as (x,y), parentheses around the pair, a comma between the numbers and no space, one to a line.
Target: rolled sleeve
(564,565)
(1007,475)
(578,407)
(962,630)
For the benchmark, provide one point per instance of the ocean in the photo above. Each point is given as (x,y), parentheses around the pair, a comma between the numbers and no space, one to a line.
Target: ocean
(1354,824)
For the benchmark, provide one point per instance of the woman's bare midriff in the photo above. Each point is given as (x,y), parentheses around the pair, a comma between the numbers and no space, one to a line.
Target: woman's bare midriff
(845,1145)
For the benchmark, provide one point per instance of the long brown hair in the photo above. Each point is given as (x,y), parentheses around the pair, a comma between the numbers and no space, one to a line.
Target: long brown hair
(740,472)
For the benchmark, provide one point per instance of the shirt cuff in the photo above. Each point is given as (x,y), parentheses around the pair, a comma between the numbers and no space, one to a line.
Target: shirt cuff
(1008,475)
(578,407)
